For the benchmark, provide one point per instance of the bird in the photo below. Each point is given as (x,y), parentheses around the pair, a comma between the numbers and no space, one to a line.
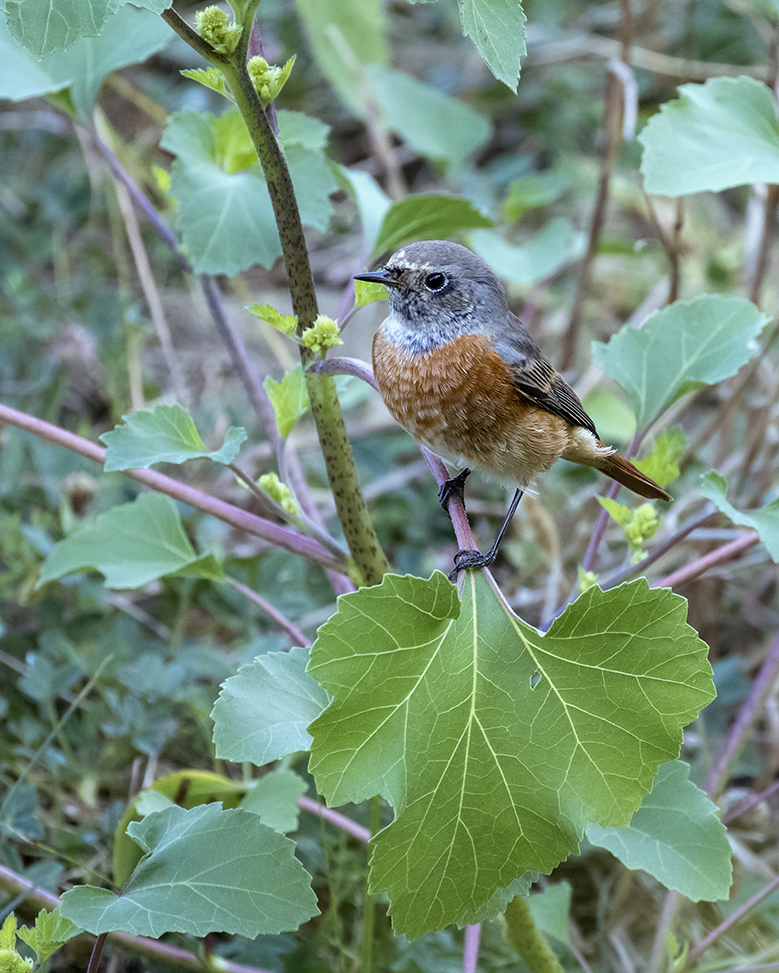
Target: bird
(462,374)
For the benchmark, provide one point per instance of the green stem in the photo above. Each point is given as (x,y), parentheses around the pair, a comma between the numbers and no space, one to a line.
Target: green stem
(367,558)
(369,905)
(527,940)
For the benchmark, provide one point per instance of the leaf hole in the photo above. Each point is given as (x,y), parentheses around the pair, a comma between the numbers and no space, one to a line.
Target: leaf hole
(535,679)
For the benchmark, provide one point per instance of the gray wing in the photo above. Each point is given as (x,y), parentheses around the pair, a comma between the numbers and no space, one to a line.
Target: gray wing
(536,379)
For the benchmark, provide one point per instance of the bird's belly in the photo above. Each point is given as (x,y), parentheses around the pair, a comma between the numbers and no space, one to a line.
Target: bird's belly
(460,401)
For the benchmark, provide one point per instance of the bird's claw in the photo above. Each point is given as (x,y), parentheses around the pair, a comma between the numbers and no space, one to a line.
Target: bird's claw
(470,559)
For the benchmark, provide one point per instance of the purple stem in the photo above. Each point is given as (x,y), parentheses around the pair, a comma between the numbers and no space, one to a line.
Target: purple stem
(471,948)
(746,717)
(749,802)
(335,817)
(346,366)
(284,537)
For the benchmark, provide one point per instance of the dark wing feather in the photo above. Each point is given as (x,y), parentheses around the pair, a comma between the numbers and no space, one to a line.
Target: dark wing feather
(536,379)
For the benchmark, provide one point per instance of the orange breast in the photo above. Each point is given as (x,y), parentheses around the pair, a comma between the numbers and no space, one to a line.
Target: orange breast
(461,401)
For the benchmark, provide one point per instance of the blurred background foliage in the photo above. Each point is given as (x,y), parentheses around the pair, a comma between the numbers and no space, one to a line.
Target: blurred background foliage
(78,347)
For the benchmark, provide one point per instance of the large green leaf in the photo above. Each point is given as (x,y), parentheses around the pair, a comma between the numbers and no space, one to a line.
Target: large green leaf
(765,520)
(496,744)
(497,28)
(435,125)
(224,212)
(166,435)
(676,835)
(205,870)
(128,37)
(130,545)
(264,709)
(556,245)
(681,348)
(718,134)
(345,35)
(45,26)
(426,217)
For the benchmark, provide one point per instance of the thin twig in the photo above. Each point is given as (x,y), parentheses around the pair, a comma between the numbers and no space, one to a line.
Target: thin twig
(471,948)
(335,817)
(257,526)
(749,802)
(702,564)
(297,636)
(766,238)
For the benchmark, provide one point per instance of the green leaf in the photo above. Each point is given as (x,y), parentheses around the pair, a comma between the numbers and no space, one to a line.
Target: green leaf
(530,192)
(51,930)
(263,711)
(285,323)
(680,348)
(496,744)
(432,123)
(372,202)
(662,464)
(765,520)
(45,26)
(719,134)
(128,37)
(676,835)
(618,512)
(289,398)
(497,28)
(551,909)
(366,293)
(274,797)
(344,36)
(224,212)
(167,435)
(205,870)
(210,78)
(426,217)
(130,545)
(552,248)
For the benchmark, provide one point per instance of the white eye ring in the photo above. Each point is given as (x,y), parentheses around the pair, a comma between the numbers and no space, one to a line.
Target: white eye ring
(436,282)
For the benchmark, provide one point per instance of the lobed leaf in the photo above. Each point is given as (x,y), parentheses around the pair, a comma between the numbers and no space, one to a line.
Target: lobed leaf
(262,712)
(205,870)
(130,545)
(274,797)
(166,435)
(51,930)
(496,744)
(681,348)
(676,835)
(289,399)
(715,135)
(765,520)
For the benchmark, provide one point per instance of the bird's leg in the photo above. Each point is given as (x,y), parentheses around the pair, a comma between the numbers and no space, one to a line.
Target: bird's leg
(453,488)
(474,559)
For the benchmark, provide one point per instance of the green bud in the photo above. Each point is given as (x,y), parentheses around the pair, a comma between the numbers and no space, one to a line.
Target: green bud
(214,27)
(268,79)
(270,483)
(322,334)
(587,579)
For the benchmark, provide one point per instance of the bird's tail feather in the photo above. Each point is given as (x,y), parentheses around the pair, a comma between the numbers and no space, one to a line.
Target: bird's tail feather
(629,476)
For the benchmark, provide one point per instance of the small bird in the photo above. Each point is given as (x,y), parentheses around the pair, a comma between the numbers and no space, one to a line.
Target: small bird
(462,374)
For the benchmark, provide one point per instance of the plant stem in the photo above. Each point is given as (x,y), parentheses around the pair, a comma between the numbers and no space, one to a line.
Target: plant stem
(369,904)
(368,561)
(527,940)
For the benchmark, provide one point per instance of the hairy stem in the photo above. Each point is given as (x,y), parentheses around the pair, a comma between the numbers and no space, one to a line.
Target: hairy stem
(527,940)
(368,560)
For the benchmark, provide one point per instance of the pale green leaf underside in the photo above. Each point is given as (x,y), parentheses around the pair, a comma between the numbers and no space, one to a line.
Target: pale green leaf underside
(490,774)
(206,870)
(166,435)
(264,709)
(274,797)
(765,520)
(130,544)
(676,835)
(715,135)
(556,245)
(681,348)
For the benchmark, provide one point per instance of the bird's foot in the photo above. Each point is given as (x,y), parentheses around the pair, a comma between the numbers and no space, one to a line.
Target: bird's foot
(455,487)
(471,559)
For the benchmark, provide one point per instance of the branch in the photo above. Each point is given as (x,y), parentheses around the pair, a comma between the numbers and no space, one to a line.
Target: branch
(702,564)
(283,537)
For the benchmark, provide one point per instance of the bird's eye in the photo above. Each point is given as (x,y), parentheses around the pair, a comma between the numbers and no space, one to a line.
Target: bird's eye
(434,282)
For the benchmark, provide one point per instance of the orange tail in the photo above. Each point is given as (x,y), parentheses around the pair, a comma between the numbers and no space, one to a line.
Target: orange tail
(623,472)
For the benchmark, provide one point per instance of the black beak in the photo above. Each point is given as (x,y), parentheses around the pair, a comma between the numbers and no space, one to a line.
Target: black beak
(379,277)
